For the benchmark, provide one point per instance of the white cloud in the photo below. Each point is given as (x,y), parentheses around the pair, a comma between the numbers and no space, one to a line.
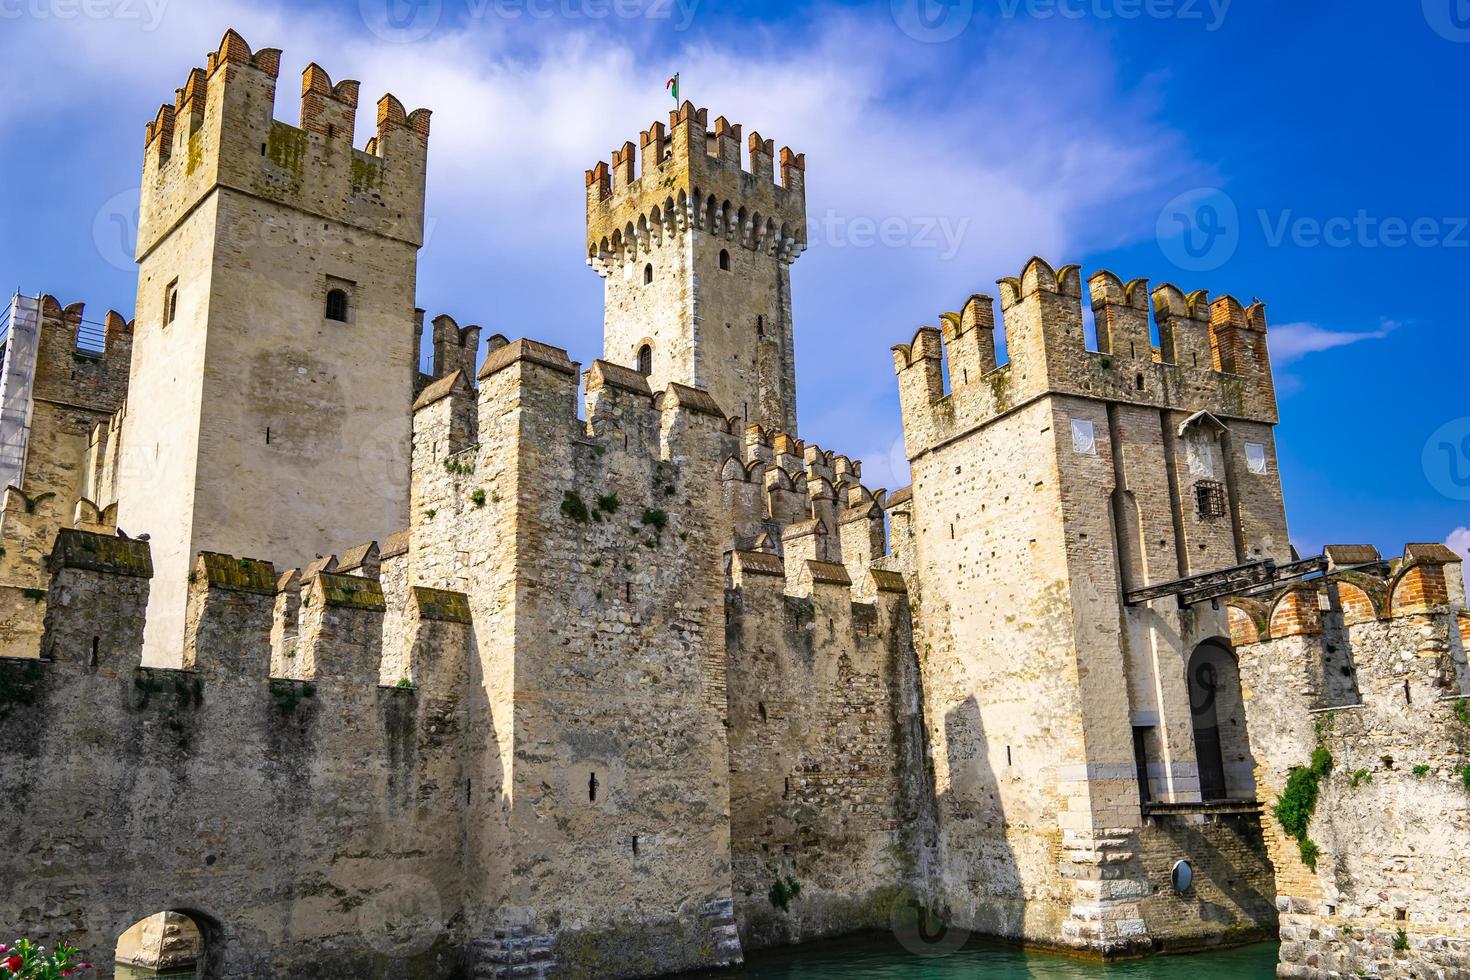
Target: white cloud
(1293,341)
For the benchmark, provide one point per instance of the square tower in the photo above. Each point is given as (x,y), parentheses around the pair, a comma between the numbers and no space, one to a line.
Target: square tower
(696,256)
(1070,724)
(273,363)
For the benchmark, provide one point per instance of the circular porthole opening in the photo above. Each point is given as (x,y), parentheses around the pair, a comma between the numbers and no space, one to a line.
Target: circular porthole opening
(1182,876)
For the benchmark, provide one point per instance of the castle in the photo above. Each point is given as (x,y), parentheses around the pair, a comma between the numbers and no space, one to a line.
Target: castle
(372,670)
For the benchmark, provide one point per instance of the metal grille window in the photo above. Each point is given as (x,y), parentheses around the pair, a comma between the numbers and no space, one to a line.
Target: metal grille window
(1209,498)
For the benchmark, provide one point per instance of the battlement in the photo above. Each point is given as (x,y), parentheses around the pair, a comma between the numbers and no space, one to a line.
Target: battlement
(692,178)
(801,503)
(218,132)
(99,585)
(1211,356)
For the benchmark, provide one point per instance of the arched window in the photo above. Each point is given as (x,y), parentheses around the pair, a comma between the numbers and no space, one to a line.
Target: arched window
(337,305)
(724,260)
(648,274)
(645,360)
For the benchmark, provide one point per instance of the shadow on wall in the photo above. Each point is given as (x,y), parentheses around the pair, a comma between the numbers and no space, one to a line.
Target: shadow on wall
(977,843)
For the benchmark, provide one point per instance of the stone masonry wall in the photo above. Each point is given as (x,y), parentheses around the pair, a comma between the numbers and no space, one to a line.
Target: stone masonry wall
(828,783)
(590,555)
(309,828)
(1384,892)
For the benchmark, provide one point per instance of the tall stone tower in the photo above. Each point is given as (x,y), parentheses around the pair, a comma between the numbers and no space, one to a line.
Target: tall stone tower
(274,356)
(696,255)
(1045,491)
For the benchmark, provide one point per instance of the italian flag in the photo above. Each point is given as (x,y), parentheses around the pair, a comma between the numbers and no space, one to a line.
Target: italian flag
(673,86)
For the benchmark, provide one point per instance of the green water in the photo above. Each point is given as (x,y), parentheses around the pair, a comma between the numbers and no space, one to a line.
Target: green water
(883,959)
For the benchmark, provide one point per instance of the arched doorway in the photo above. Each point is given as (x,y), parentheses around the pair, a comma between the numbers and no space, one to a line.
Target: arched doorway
(172,944)
(1217,710)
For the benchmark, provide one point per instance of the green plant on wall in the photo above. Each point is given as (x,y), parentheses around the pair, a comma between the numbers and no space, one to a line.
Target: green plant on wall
(1298,801)
(574,507)
(783,891)
(1401,941)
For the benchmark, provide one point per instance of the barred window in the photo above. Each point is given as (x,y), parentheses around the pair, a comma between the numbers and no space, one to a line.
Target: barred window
(1209,497)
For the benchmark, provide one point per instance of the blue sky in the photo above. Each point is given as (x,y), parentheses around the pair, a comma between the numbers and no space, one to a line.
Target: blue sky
(1310,154)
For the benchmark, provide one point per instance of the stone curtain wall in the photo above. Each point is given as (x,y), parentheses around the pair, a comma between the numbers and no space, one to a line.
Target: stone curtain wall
(829,796)
(311,828)
(1387,896)
(589,552)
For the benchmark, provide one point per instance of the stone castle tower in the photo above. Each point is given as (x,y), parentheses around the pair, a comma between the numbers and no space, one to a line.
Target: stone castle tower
(696,255)
(276,342)
(1046,490)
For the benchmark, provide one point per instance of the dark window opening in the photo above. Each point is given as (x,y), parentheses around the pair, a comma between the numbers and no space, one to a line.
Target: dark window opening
(760,326)
(267,435)
(170,302)
(262,149)
(96,643)
(635,845)
(648,274)
(1140,762)
(724,260)
(337,305)
(645,360)
(1139,381)
(592,788)
(1209,498)
(1008,755)
(761,709)
(628,591)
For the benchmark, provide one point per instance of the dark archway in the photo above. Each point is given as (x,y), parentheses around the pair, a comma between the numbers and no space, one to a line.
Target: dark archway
(1217,711)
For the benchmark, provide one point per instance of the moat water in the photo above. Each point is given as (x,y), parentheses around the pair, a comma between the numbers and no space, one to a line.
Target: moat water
(882,959)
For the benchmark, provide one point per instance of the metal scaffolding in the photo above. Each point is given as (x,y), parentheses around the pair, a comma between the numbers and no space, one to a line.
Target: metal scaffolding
(20,330)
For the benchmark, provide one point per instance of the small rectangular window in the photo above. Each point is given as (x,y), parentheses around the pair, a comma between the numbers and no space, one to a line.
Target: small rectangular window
(1084,437)
(1255,457)
(170,302)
